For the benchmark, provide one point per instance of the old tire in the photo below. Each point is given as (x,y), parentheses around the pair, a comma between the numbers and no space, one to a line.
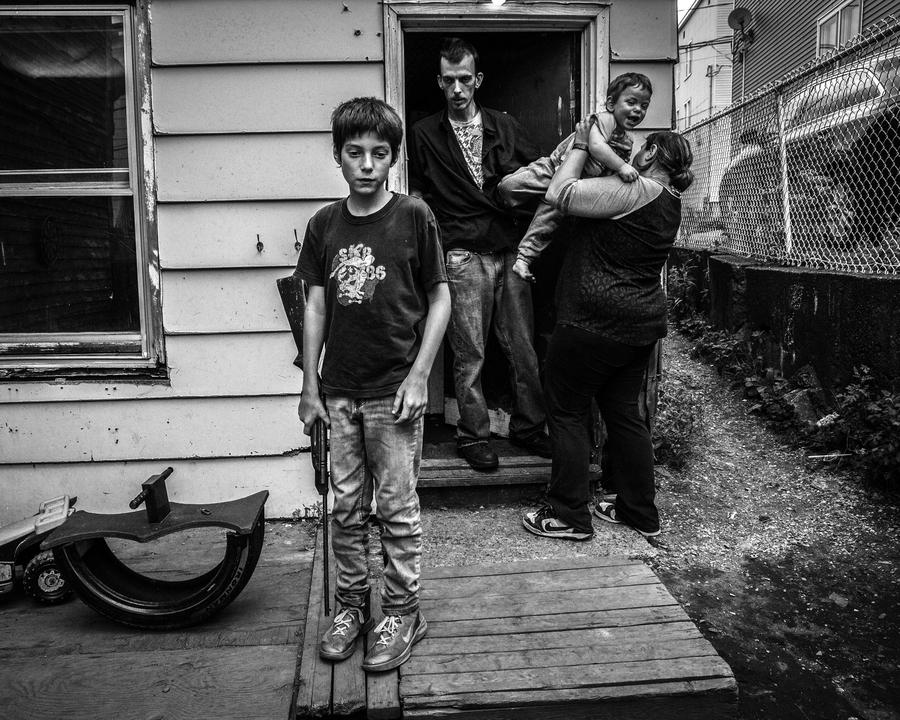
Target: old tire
(107,585)
(44,580)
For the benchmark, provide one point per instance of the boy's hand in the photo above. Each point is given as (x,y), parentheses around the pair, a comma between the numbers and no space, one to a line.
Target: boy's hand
(310,410)
(520,268)
(411,399)
(627,173)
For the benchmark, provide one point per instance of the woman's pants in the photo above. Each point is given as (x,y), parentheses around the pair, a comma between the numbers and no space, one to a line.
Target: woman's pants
(582,365)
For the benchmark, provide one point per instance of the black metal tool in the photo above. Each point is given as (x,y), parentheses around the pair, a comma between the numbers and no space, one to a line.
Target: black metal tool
(319,453)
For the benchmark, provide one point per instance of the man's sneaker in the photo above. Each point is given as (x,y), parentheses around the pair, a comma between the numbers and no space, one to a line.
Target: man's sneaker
(479,454)
(339,640)
(537,444)
(607,511)
(396,636)
(543,522)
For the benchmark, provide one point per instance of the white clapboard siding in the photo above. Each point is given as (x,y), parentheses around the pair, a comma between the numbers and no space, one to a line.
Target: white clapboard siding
(659,114)
(149,429)
(642,30)
(229,365)
(216,301)
(107,487)
(238,31)
(220,235)
(257,98)
(280,166)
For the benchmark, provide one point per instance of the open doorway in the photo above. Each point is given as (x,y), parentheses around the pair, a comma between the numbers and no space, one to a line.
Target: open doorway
(534,76)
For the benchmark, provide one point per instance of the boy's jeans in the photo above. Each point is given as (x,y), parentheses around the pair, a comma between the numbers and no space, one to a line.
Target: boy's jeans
(370,454)
(485,290)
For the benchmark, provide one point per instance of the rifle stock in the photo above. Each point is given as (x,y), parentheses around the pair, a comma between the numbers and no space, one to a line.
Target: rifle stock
(293,296)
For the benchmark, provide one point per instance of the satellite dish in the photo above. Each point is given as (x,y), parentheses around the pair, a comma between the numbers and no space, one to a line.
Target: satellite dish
(738,18)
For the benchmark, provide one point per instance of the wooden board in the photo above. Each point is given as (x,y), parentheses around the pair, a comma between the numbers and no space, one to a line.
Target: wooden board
(217,301)
(184,428)
(274,166)
(108,486)
(235,31)
(219,235)
(67,661)
(207,365)
(257,98)
(585,638)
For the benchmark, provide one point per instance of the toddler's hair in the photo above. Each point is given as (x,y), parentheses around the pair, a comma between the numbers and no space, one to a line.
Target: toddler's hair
(363,115)
(454,49)
(674,155)
(627,80)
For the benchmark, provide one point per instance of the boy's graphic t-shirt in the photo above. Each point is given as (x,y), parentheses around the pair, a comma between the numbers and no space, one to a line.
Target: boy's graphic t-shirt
(376,271)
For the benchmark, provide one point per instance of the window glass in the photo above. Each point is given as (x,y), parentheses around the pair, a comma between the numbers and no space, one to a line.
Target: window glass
(68,265)
(828,34)
(62,90)
(73,259)
(849,24)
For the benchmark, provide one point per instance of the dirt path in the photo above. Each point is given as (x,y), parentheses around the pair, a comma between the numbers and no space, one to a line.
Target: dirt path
(791,573)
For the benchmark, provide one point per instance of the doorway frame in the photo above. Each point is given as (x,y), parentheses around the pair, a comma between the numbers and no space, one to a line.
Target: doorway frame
(590,18)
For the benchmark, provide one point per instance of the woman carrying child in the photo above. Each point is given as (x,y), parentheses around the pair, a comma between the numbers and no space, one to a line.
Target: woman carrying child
(609,142)
(611,310)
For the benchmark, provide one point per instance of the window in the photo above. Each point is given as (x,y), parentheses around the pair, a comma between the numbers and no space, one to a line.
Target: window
(838,26)
(75,263)
(688,62)
(687,114)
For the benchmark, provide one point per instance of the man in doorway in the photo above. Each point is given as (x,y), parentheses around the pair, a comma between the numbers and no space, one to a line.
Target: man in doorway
(457,157)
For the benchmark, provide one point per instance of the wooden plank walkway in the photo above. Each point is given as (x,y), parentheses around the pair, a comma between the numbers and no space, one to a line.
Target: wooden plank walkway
(66,661)
(572,639)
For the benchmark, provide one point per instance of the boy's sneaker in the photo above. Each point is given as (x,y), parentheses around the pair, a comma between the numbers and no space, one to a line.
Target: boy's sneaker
(543,522)
(339,641)
(607,511)
(396,636)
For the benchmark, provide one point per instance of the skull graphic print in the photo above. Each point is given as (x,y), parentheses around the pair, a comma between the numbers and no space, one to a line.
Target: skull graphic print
(356,274)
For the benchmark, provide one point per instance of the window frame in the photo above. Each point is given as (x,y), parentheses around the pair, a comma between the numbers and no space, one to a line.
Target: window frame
(836,12)
(103,355)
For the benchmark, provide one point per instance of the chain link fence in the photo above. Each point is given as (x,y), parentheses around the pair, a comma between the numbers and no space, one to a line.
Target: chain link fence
(807,170)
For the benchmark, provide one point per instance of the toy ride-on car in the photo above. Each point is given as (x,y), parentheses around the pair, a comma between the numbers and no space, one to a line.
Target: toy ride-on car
(21,557)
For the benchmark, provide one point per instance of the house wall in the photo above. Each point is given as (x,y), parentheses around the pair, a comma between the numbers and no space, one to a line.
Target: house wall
(706,29)
(785,38)
(241,98)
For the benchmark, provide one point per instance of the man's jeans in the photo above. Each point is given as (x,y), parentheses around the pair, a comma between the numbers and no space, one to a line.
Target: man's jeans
(485,290)
(370,454)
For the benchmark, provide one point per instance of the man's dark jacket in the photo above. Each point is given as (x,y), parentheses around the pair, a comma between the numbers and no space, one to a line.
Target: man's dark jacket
(470,218)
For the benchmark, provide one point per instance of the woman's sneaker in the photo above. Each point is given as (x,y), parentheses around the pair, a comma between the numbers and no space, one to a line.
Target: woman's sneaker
(607,511)
(339,641)
(396,636)
(544,522)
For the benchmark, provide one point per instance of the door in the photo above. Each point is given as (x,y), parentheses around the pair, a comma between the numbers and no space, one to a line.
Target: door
(534,77)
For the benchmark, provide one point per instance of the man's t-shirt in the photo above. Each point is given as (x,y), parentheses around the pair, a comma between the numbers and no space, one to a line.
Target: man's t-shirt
(470,136)
(376,271)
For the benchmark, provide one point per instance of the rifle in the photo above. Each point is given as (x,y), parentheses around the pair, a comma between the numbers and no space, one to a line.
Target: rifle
(293,297)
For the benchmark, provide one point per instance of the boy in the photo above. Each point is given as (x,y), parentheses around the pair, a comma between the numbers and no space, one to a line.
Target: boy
(609,145)
(375,271)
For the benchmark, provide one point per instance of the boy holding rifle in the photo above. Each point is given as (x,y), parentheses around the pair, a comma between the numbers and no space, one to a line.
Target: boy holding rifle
(379,304)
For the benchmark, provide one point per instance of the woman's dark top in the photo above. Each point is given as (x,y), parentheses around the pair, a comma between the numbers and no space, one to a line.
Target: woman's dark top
(610,279)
